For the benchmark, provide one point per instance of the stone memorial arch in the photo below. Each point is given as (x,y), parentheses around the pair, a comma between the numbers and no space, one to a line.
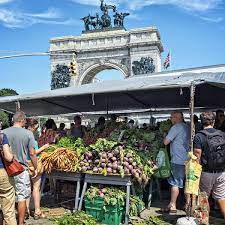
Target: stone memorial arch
(105,44)
(133,52)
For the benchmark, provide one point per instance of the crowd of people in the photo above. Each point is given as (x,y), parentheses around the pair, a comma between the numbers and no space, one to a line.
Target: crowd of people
(209,148)
(19,142)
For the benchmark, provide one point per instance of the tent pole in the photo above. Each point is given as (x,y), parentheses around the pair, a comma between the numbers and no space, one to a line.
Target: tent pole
(192,105)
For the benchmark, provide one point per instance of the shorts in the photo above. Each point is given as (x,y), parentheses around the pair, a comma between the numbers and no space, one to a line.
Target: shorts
(213,183)
(177,175)
(22,186)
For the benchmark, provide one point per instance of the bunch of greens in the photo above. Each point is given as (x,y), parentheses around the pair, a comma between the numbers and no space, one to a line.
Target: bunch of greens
(136,206)
(76,144)
(103,145)
(78,218)
(165,126)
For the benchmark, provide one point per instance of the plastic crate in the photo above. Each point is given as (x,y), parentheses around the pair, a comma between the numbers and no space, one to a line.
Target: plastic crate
(110,215)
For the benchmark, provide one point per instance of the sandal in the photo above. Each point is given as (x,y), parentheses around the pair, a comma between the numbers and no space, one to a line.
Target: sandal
(168,210)
(40,215)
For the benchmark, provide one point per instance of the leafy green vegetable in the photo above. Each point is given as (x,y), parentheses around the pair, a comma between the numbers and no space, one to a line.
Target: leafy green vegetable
(78,218)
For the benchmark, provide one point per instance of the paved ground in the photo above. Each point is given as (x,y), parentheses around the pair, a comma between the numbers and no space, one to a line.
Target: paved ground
(54,210)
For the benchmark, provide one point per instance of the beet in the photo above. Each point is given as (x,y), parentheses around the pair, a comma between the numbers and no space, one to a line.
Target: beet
(114,166)
(103,165)
(95,170)
(116,152)
(126,164)
(84,169)
(114,159)
(102,160)
(130,167)
(126,171)
(109,170)
(104,155)
(82,163)
(110,155)
(130,160)
(119,167)
(125,159)
(88,168)
(100,170)
(96,161)
(109,165)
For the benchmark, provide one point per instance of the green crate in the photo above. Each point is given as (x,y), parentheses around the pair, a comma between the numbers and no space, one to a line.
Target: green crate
(110,215)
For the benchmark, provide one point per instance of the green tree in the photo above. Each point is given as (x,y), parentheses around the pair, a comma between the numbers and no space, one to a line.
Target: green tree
(4,116)
(7,92)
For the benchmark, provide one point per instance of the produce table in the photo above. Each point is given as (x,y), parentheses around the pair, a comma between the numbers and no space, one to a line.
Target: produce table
(68,176)
(110,180)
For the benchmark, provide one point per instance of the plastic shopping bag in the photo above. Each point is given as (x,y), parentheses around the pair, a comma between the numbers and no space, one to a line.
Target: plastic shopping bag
(193,172)
(163,164)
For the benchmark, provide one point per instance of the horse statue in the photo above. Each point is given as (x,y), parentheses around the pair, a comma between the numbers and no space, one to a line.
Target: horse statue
(88,22)
(119,19)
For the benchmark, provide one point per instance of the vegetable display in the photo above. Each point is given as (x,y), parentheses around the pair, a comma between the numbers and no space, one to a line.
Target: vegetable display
(115,197)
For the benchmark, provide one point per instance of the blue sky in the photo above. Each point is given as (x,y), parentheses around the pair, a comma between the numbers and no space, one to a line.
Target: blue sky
(193,29)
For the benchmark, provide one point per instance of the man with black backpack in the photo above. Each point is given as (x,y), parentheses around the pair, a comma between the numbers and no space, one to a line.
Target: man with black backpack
(209,147)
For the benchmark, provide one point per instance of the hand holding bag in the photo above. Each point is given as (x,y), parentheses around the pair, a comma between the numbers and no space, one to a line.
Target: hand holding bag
(12,168)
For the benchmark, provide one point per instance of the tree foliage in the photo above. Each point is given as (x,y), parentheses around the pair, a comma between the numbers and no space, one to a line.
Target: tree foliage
(4,116)
(60,77)
(7,92)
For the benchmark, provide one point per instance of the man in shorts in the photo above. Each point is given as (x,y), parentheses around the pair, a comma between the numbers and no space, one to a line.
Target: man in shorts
(179,140)
(22,143)
(211,155)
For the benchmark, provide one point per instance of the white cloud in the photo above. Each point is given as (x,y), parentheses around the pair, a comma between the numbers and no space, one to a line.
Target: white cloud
(212,20)
(5,1)
(15,19)
(49,14)
(190,5)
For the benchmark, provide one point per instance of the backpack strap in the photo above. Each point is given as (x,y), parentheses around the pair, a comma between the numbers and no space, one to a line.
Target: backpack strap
(1,139)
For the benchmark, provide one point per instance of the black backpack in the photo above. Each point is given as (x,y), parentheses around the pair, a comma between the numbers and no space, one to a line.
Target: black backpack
(215,152)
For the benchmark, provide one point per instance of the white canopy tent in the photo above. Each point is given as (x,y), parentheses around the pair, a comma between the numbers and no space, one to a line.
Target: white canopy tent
(143,92)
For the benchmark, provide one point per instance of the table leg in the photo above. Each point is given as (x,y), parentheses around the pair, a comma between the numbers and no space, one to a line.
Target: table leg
(150,194)
(82,195)
(77,195)
(159,189)
(127,205)
(133,190)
